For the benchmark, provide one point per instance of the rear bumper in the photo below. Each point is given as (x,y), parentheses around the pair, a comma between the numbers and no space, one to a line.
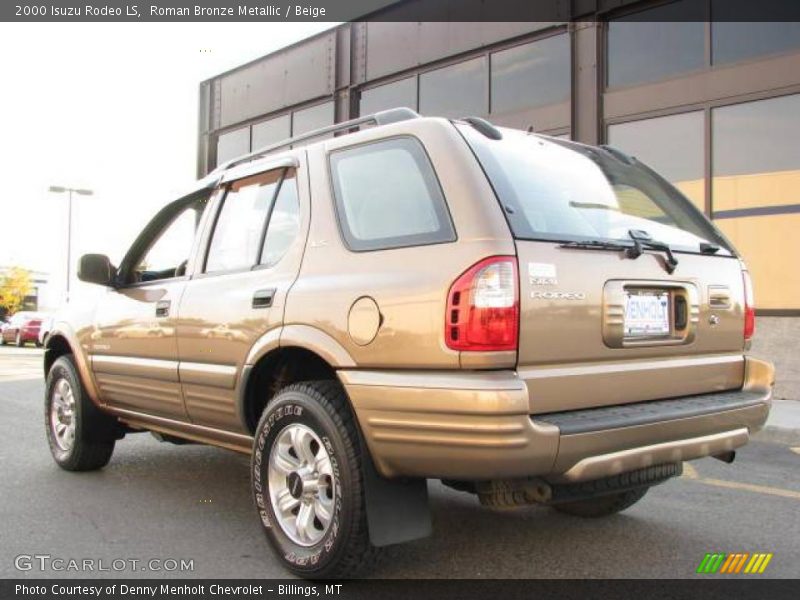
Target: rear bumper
(477,426)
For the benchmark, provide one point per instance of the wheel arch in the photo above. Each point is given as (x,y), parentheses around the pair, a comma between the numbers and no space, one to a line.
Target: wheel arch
(61,342)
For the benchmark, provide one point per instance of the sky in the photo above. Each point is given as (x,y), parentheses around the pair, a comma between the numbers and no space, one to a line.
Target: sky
(111,107)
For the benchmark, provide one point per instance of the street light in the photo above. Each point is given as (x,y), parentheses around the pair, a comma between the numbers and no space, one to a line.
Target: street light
(57,189)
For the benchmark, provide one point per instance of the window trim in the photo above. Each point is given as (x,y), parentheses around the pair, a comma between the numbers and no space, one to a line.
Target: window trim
(203,272)
(153,231)
(446,223)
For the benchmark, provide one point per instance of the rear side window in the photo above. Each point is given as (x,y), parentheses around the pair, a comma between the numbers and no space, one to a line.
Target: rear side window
(387,196)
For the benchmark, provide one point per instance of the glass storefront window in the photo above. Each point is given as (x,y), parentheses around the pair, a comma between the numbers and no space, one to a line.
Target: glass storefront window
(656,44)
(456,91)
(733,40)
(390,95)
(672,145)
(756,192)
(233,144)
(271,131)
(532,75)
(755,157)
(311,118)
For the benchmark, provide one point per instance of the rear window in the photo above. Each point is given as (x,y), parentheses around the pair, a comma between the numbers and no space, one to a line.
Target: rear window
(557,190)
(387,196)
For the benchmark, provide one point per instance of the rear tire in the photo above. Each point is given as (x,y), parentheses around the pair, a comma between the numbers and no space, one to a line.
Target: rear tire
(307,482)
(602,506)
(81,438)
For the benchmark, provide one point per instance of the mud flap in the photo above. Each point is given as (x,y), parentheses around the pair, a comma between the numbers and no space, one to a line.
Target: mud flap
(397,509)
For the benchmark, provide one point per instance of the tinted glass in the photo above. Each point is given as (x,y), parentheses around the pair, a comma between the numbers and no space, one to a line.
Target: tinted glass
(312,118)
(671,145)
(456,91)
(755,156)
(270,132)
(561,191)
(532,75)
(233,144)
(391,95)
(387,196)
(640,50)
(237,233)
(284,222)
(734,39)
(168,255)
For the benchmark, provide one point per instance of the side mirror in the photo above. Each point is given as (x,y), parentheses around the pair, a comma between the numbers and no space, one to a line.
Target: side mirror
(96,268)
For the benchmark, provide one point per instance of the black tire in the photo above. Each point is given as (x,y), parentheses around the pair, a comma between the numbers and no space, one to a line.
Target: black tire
(344,548)
(602,506)
(95,433)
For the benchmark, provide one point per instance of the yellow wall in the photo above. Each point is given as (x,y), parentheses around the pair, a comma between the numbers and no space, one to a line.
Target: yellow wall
(770,245)
(758,189)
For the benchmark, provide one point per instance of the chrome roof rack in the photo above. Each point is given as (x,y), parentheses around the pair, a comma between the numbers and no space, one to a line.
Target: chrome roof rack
(384,117)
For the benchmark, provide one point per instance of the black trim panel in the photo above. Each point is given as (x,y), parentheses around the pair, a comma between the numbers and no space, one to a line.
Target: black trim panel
(645,413)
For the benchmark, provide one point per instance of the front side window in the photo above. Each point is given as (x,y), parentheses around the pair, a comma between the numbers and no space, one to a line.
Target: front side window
(387,196)
(562,191)
(236,241)
(168,254)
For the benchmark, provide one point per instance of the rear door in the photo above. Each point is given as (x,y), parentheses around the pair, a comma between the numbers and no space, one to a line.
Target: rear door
(603,323)
(239,291)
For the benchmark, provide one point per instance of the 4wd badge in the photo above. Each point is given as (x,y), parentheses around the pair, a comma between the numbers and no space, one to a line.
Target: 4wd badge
(542,274)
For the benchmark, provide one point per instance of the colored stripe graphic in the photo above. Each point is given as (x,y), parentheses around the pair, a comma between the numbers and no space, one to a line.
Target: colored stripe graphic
(734,563)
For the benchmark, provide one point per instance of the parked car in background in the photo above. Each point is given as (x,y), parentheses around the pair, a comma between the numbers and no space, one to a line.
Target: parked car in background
(22,328)
(44,329)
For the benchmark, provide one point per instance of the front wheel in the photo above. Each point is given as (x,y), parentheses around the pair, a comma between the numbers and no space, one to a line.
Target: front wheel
(307,482)
(81,438)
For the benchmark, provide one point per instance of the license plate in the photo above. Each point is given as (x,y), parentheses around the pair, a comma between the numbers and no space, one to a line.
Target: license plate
(646,314)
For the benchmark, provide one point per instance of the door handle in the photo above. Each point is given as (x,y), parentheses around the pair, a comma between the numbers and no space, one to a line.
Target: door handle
(263,298)
(162,308)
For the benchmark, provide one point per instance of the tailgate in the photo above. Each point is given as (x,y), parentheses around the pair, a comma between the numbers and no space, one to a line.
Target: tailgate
(598,328)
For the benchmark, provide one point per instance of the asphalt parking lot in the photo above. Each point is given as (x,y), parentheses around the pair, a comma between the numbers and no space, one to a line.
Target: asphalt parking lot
(161,501)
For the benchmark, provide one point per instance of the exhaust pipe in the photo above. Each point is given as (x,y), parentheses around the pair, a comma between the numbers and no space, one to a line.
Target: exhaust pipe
(726,457)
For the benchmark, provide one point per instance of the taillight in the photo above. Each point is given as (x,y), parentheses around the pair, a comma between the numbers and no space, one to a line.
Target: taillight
(749,307)
(483,307)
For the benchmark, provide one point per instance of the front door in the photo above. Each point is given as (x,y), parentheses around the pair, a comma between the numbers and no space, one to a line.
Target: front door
(239,291)
(133,344)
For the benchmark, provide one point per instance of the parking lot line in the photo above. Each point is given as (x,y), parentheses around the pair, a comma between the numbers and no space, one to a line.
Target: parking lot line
(691,474)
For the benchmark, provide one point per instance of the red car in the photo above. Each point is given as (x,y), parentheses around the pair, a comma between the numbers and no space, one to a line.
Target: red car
(22,328)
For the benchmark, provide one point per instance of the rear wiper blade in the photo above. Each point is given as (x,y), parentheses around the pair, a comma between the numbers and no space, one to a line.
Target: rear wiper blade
(595,245)
(641,240)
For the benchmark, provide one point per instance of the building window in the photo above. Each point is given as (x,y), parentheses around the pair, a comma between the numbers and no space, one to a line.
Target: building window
(271,132)
(672,146)
(756,192)
(531,76)
(734,41)
(233,144)
(315,117)
(456,91)
(656,43)
(387,196)
(391,95)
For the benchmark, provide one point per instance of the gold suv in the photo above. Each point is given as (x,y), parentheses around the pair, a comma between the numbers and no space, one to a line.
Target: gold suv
(397,298)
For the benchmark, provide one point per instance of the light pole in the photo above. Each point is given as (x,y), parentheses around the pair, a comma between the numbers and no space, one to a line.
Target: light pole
(57,189)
